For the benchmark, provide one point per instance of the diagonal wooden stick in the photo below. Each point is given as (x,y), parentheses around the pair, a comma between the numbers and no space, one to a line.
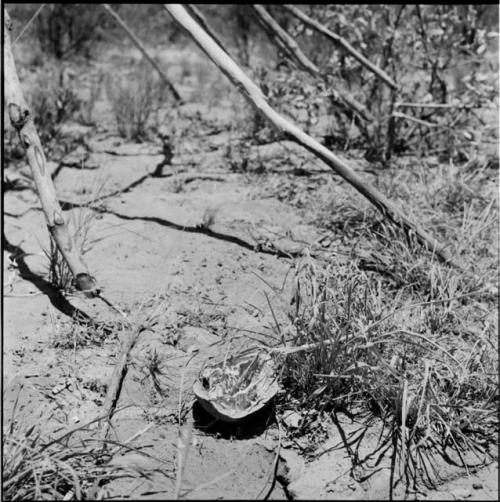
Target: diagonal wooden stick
(283,39)
(287,44)
(202,21)
(256,98)
(143,50)
(21,119)
(342,42)
(118,376)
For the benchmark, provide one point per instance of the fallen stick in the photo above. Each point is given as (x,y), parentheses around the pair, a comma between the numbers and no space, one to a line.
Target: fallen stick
(21,119)
(117,378)
(143,50)
(256,98)
(341,42)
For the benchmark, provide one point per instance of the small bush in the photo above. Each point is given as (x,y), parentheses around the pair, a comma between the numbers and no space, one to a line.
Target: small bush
(134,98)
(53,101)
(68,29)
(435,388)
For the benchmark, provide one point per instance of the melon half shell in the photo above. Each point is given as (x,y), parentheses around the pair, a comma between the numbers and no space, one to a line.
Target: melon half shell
(236,388)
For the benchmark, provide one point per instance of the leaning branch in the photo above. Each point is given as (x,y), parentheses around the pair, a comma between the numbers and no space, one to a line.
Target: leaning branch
(286,43)
(21,119)
(143,49)
(283,39)
(342,42)
(202,21)
(256,98)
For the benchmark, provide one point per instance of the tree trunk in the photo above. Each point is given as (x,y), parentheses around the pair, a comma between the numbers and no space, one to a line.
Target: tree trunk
(22,121)
(256,98)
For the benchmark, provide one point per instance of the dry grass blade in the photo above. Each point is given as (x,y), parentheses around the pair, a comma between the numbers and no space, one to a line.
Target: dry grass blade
(418,377)
(183,445)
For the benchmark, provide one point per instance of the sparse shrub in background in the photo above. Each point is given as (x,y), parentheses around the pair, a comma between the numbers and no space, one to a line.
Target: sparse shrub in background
(65,30)
(135,99)
(53,100)
(290,94)
(87,105)
(240,160)
(435,53)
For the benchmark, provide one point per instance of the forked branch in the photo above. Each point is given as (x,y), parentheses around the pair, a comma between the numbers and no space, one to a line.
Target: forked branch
(256,98)
(283,40)
(22,121)
(288,45)
(342,42)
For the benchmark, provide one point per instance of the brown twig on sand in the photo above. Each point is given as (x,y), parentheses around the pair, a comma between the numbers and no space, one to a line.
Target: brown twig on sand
(119,373)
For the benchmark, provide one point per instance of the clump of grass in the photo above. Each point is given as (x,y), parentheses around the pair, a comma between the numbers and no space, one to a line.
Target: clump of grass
(42,465)
(38,467)
(134,98)
(76,334)
(358,345)
(79,223)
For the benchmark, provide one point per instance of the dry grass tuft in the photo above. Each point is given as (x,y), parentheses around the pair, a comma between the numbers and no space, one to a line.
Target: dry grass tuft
(418,364)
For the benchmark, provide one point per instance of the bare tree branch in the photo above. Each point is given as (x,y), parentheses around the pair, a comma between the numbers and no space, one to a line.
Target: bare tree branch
(202,21)
(281,38)
(342,42)
(286,43)
(22,121)
(144,51)
(256,98)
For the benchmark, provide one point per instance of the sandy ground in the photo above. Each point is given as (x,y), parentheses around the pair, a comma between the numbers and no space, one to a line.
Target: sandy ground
(205,242)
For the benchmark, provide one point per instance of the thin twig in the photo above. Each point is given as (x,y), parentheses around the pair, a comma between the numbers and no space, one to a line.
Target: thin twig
(458,106)
(114,388)
(419,121)
(342,42)
(28,24)
(143,50)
